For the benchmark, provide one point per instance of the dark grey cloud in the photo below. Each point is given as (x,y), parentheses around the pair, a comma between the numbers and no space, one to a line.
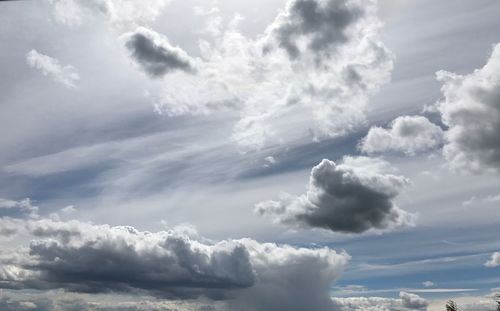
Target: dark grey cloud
(155,55)
(103,259)
(322,24)
(470,108)
(243,274)
(351,197)
(406,134)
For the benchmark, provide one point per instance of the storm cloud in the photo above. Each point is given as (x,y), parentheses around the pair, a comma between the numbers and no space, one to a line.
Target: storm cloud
(86,258)
(351,197)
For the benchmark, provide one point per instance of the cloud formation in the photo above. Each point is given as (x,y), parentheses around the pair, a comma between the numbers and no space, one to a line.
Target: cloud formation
(52,68)
(17,209)
(352,197)
(413,301)
(494,260)
(406,134)
(317,62)
(244,274)
(315,26)
(153,53)
(406,302)
(470,109)
(76,12)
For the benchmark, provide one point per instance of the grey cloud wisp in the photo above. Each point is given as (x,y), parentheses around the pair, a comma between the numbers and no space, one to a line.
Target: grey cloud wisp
(155,55)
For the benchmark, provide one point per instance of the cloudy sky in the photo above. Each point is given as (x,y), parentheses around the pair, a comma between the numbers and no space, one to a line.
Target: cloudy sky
(328,155)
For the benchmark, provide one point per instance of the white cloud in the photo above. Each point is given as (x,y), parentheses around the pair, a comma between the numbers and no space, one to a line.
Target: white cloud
(413,301)
(351,197)
(76,12)
(428,284)
(52,68)
(407,134)
(317,63)
(17,209)
(470,110)
(494,260)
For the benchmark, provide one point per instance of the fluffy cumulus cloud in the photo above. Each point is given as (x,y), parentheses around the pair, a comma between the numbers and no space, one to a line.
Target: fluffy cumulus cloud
(316,63)
(406,302)
(351,197)
(51,67)
(244,274)
(413,301)
(494,261)
(407,134)
(155,55)
(76,12)
(471,109)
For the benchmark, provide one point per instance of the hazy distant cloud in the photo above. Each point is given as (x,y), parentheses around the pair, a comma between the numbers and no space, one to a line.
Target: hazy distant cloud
(245,274)
(471,110)
(494,260)
(52,68)
(407,134)
(406,302)
(75,12)
(351,197)
(428,284)
(155,55)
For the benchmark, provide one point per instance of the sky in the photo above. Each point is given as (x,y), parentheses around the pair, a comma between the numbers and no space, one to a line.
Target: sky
(327,155)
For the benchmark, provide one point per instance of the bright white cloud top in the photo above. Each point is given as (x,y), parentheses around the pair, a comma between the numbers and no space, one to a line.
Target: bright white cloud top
(471,110)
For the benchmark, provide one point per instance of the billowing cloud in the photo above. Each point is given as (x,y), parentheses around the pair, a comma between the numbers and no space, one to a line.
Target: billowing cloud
(471,110)
(406,302)
(407,134)
(52,68)
(244,274)
(317,63)
(494,260)
(351,197)
(154,54)
(75,12)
